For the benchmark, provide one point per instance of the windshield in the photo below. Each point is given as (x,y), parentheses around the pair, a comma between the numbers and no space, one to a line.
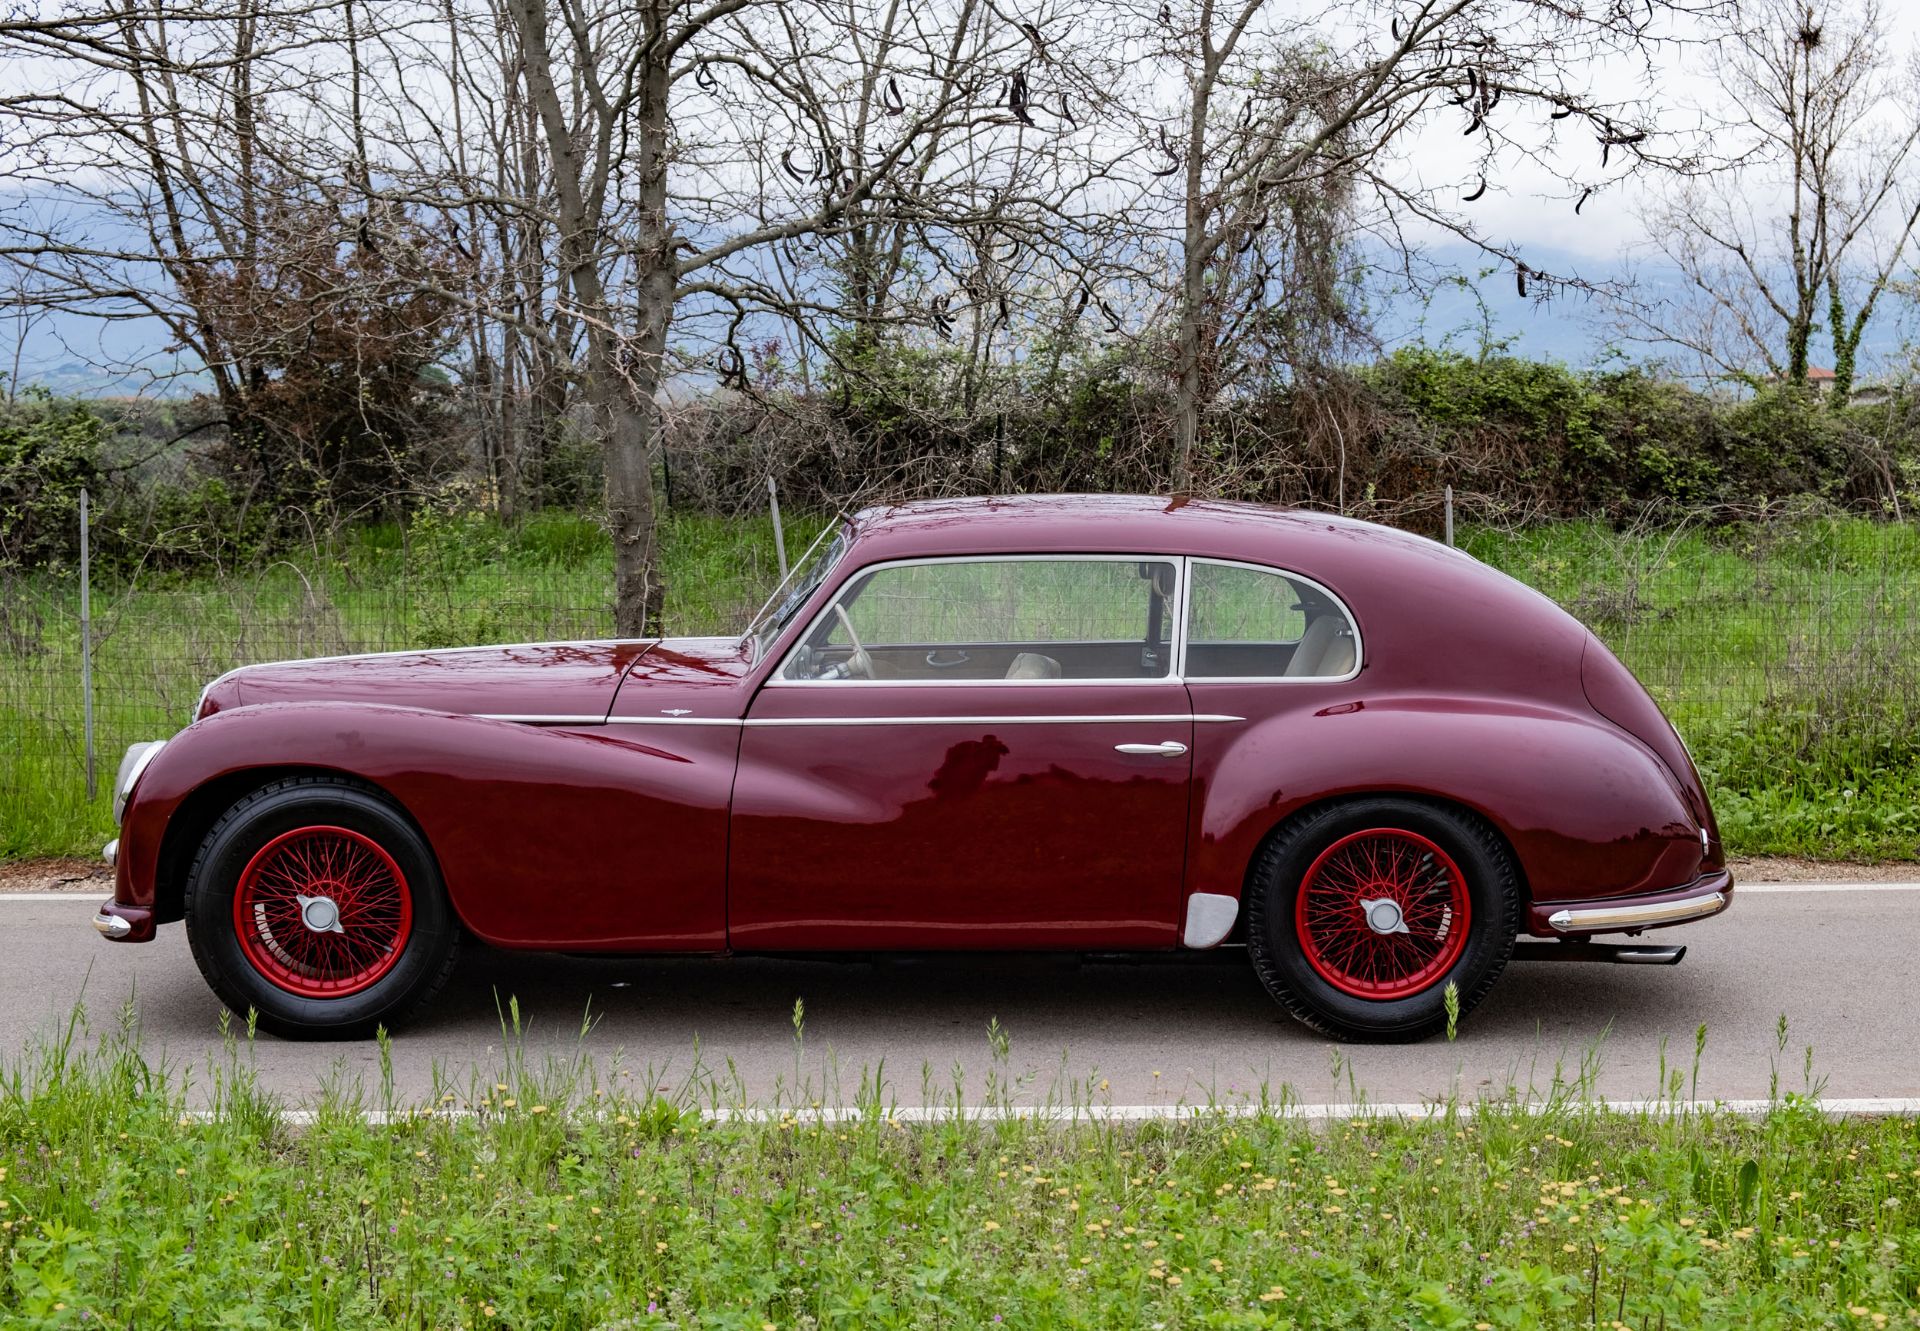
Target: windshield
(794,590)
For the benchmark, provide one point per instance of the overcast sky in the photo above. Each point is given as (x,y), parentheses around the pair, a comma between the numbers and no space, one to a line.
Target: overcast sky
(1527,205)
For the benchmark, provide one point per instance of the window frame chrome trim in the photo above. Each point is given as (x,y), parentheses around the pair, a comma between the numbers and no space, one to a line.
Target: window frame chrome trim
(1359,647)
(778,679)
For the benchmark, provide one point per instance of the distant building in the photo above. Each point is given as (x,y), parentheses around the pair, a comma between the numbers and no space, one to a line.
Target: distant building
(1820,381)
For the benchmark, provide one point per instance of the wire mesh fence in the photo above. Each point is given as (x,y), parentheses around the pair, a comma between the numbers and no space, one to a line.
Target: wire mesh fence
(1785,647)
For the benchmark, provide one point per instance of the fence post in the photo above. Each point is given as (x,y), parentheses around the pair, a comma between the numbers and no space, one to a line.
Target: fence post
(86,645)
(779,536)
(1449,515)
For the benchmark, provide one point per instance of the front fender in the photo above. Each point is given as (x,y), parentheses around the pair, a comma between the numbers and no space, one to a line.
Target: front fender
(583,837)
(1589,811)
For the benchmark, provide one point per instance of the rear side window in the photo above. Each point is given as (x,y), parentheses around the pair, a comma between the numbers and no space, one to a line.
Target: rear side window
(1258,623)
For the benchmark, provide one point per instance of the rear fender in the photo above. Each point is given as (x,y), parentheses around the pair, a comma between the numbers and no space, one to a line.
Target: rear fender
(1588,811)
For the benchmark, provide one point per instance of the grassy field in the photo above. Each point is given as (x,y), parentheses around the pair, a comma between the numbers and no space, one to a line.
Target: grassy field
(1788,653)
(550,1196)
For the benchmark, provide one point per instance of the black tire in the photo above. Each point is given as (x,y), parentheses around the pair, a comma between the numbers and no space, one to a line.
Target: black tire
(1280,959)
(425,959)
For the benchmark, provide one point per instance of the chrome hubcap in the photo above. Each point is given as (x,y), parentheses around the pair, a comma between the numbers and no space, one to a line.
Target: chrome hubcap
(1383,915)
(320,914)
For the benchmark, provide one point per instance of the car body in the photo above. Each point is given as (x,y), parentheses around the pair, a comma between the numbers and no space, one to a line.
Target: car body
(1079,723)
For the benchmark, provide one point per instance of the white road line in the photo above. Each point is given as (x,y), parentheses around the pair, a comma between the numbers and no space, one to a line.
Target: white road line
(1788,889)
(1860,1107)
(100,893)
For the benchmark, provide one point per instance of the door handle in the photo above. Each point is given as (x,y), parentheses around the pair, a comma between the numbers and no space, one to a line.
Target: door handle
(1168,748)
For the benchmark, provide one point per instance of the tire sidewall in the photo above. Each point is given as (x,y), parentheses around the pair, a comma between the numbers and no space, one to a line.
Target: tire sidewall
(215,878)
(1273,938)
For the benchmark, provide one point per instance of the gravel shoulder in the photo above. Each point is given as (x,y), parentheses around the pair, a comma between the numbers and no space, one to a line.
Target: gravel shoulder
(1792,869)
(53,875)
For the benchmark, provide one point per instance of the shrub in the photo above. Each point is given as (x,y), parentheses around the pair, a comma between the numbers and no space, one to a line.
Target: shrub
(50,450)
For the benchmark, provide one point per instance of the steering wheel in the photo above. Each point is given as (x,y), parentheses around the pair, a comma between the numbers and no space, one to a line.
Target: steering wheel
(860,664)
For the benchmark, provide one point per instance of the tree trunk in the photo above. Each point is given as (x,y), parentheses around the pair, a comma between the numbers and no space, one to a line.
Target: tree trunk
(620,376)
(1846,345)
(1799,334)
(629,422)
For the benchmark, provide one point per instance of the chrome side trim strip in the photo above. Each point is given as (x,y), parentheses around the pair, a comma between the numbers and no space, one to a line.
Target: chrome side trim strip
(536,719)
(1638,917)
(981,720)
(541,718)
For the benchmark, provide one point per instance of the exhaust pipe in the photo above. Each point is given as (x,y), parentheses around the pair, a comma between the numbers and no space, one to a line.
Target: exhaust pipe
(1620,954)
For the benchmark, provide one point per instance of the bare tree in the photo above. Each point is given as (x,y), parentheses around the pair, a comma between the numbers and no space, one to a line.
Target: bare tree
(1811,208)
(688,142)
(173,172)
(1284,160)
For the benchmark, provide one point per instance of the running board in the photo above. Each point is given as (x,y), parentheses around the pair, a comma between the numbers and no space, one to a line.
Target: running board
(1621,954)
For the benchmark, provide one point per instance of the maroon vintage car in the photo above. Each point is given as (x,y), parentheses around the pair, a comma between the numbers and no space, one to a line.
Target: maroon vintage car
(1087,724)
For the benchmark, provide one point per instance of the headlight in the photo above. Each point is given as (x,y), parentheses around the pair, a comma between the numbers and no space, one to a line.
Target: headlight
(131,766)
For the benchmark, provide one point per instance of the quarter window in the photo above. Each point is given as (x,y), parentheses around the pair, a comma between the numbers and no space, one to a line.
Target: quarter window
(997,619)
(1252,623)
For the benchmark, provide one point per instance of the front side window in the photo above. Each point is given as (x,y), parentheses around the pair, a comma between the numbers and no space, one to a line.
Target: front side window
(1255,623)
(997,619)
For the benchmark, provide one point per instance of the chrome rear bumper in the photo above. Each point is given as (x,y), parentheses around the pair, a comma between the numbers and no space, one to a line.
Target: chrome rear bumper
(1709,896)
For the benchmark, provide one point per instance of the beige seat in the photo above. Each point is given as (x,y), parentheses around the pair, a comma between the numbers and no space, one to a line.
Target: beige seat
(1032,665)
(1325,650)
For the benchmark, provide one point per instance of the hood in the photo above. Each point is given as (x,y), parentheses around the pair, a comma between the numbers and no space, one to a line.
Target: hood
(572,679)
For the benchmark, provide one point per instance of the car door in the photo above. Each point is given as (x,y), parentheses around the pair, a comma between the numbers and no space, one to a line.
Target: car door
(969,753)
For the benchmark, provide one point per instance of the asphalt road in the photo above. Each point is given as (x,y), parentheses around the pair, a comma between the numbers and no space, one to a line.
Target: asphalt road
(1839,963)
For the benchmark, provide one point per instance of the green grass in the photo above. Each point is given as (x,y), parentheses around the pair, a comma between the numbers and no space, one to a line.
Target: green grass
(556,1196)
(1788,654)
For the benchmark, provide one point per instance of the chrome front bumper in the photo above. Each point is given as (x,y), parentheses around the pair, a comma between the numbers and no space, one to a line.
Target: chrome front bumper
(112,926)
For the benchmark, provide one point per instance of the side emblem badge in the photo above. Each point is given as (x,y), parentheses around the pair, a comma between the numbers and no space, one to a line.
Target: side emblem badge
(676,711)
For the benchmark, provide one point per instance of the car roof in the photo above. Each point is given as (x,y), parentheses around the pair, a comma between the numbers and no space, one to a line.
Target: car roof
(1408,594)
(1132,524)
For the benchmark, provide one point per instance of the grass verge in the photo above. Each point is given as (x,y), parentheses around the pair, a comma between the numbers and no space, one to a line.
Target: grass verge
(545,1197)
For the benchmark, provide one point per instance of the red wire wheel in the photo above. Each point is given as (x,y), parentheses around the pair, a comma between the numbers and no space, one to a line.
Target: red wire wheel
(1382,913)
(322,912)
